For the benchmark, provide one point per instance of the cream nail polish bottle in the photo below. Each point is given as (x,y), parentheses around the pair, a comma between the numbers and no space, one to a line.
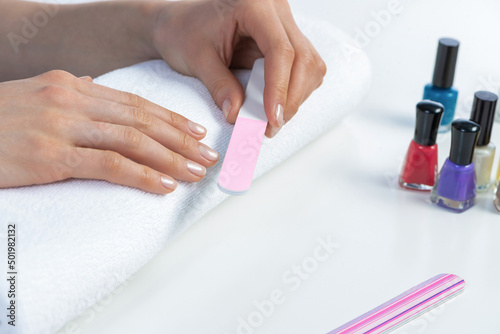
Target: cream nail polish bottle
(483,113)
(498,175)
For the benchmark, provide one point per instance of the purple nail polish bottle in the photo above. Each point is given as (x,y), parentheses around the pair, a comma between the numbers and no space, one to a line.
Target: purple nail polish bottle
(455,188)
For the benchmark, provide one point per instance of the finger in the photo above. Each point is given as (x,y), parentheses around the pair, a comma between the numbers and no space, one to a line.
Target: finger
(179,122)
(133,144)
(225,89)
(299,89)
(266,29)
(272,131)
(170,137)
(113,167)
(307,72)
(308,68)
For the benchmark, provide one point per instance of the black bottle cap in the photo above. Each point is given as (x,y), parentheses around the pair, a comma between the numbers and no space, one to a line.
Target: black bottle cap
(429,115)
(483,113)
(464,135)
(446,61)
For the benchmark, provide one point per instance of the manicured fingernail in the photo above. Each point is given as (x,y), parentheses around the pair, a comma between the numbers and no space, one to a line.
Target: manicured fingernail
(279,115)
(196,128)
(226,107)
(168,183)
(196,169)
(208,153)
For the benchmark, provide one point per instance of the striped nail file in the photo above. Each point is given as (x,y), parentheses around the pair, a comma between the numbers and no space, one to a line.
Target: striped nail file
(405,307)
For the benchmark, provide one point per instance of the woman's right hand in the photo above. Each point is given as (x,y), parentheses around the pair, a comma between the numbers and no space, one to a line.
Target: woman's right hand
(56,126)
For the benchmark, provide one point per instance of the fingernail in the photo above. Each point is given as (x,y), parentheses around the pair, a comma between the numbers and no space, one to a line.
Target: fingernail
(208,153)
(279,115)
(226,107)
(196,169)
(168,183)
(196,128)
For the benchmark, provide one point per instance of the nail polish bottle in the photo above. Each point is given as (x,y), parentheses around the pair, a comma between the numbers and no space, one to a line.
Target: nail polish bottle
(441,90)
(497,112)
(421,163)
(455,188)
(497,200)
(497,179)
(483,113)
(497,191)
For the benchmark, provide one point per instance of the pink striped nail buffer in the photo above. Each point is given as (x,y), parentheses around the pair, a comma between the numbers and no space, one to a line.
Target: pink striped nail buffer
(405,307)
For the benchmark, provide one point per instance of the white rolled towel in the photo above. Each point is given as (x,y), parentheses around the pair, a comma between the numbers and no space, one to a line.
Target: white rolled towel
(79,239)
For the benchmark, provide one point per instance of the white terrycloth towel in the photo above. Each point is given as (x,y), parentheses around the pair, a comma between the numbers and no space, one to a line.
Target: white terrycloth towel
(77,240)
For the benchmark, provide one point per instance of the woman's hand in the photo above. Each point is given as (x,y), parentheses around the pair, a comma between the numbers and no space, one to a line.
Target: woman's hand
(204,38)
(198,38)
(56,126)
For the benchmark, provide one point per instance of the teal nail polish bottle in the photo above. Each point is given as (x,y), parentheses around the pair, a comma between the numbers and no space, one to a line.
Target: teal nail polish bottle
(441,90)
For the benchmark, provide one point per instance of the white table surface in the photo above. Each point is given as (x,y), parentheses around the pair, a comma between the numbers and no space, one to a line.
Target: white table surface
(342,186)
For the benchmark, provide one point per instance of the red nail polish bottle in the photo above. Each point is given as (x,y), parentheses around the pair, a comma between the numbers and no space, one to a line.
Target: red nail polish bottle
(421,163)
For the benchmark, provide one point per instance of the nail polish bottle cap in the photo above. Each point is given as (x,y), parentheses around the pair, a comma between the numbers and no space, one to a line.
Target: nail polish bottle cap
(464,135)
(429,115)
(483,113)
(446,61)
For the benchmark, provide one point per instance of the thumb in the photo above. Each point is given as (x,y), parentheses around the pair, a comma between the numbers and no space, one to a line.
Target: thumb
(224,87)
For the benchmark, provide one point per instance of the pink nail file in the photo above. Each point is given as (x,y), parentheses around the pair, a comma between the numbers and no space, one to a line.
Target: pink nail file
(239,164)
(405,307)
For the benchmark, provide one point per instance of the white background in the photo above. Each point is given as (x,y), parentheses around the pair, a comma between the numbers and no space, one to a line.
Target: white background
(343,185)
